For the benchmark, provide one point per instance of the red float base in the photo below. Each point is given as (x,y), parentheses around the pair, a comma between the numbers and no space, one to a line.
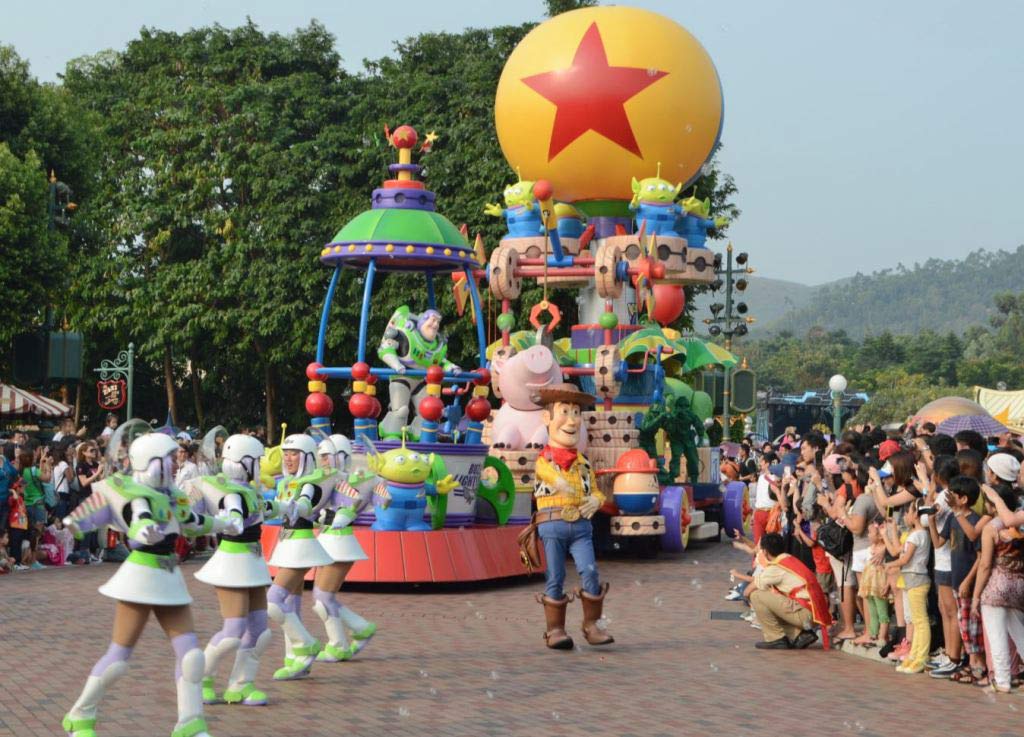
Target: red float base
(438,556)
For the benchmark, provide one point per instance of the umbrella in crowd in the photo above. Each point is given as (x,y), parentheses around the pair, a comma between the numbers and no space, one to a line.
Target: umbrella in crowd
(982,424)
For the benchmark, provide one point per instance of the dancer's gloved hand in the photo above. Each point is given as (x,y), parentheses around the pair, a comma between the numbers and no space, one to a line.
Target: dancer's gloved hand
(146,532)
(343,518)
(229,524)
(589,506)
(287,512)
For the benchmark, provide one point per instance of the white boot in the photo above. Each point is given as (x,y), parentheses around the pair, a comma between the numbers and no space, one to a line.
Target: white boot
(81,720)
(190,696)
(361,629)
(303,646)
(213,655)
(337,648)
(241,689)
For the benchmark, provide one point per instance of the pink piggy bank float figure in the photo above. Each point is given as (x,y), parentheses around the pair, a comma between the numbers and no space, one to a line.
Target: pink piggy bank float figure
(519,379)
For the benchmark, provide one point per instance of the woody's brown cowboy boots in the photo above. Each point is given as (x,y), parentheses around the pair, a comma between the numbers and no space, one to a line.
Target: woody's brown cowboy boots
(554,613)
(592,606)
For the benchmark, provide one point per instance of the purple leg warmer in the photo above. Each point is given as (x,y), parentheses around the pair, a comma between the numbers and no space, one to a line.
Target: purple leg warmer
(296,603)
(280,596)
(115,653)
(328,599)
(257,624)
(233,627)
(182,644)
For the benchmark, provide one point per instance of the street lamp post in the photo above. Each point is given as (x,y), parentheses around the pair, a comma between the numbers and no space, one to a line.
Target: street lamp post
(729,319)
(838,386)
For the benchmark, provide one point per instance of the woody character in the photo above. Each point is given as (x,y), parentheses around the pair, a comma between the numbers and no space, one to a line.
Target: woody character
(567,497)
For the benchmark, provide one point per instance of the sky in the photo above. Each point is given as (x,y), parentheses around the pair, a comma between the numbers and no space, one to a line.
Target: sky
(861,135)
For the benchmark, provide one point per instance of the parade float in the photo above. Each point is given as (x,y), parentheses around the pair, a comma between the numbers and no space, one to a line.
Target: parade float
(607,115)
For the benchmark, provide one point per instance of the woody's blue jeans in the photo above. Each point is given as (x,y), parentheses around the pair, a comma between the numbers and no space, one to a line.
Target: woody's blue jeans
(563,538)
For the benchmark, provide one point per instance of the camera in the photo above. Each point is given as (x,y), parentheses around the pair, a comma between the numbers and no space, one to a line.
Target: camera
(927,510)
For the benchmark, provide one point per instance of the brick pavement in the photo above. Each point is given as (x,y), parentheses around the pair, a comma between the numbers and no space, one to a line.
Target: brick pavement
(471,662)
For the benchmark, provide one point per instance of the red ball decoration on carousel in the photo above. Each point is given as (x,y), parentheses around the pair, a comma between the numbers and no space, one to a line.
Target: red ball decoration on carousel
(371,379)
(435,374)
(431,408)
(478,409)
(669,301)
(319,404)
(404,136)
(376,408)
(361,405)
(485,377)
(542,189)
(360,371)
(312,371)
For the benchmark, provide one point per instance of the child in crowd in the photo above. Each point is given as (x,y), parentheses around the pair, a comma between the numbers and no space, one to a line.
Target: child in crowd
(822,567)
(914,582)
(6,561)
(874,589)
(963,530)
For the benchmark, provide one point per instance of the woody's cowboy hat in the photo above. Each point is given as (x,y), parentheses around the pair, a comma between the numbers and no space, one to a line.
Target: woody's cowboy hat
(566,393)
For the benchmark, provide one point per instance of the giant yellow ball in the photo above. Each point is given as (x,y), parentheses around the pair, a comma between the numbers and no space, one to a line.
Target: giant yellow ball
(596,96)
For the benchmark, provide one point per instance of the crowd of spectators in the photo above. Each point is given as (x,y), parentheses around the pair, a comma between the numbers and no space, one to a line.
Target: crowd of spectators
(915,538)
(42,480)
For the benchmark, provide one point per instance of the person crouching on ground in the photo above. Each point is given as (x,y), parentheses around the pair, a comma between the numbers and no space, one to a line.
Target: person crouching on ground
(787,599)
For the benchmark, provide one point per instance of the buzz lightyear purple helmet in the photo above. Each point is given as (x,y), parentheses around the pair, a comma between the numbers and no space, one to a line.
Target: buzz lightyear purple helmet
(426,315)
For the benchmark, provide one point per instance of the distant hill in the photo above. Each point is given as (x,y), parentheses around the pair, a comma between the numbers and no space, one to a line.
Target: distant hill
(768,299)
(937,295)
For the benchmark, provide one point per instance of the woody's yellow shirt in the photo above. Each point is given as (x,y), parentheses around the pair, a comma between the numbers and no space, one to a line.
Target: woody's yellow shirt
(580,478)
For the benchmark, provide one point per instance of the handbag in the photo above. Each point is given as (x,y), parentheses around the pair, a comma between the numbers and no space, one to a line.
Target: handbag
(529,547)
(774,523)
(17,516)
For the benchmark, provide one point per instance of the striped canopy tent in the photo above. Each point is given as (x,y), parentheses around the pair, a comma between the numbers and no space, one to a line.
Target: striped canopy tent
(15,402)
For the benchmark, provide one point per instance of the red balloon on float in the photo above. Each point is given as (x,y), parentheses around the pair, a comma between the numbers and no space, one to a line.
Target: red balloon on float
(319,404)
(431,408)
(669,301)
(478,409)
(312,369)
(360,405)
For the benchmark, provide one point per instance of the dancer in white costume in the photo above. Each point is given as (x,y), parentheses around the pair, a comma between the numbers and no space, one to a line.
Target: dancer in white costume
(152,513)
(237,569)
(307,490)
(340,542)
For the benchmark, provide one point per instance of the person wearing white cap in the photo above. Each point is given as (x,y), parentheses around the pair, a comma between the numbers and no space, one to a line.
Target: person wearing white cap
(1002,468)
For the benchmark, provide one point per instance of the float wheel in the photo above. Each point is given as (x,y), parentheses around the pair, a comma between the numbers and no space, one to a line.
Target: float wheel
(736,512)
(675,508)
(502,278)
(606,262)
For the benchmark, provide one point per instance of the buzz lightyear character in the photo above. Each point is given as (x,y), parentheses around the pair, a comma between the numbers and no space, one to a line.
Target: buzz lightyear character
(305,490)
(521,212)
(695,221)
(152,513)
(238,571)
(410,342)
(408,477)
(654,203)
(338,539)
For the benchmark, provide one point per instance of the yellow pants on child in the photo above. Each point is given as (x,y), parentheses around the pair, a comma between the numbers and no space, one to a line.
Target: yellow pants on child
(918,616)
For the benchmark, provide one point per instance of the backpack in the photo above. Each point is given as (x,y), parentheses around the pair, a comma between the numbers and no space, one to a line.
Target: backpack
(835,539)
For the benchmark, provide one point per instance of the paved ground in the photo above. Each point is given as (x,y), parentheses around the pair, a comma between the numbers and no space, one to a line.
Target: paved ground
(471,663)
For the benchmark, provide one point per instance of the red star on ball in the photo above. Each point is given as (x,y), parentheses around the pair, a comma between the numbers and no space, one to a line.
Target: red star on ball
(591,95)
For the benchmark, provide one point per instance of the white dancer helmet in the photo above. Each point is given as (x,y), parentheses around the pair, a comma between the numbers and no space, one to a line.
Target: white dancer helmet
(343,448)
(307,447)
(151,457)
(240,458)
(326,448)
